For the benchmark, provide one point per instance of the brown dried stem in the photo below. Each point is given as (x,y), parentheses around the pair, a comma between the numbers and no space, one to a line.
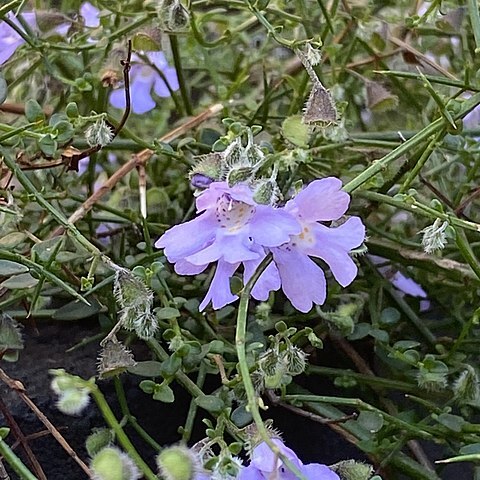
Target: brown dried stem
(20,390)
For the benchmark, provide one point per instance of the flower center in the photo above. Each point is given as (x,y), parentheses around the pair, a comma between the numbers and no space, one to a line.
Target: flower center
(305,238)
(233,214)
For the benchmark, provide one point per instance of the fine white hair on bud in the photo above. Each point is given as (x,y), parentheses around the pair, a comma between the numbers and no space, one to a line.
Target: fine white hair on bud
(73,392)
(114,358)
(434,236)
(136,300)
(99,134)
(178,463)
(466,386)
(113,464)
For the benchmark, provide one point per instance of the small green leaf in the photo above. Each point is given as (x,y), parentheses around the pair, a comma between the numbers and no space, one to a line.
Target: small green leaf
(240,417)
(171,366)
(163,393)
(452,422)
(147,386)
(12,240)
(210,403)
(76,310)
(33,111)
(23,280)
(43,250)
(371,421)
(295,131)
(8,268)
(48,145)
(142,41)
(167,313)
(149,368)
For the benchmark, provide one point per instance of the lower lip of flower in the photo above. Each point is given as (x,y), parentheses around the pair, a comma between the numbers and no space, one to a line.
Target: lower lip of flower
(232,214)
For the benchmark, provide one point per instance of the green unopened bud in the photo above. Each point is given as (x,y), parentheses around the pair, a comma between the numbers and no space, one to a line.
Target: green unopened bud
(208,169)
(466,387)
(267,192)
(239,174)
(130,290)
(72,110)
(72,402)
(352,470)
(146,325)
(177,463)
(178,19)
(113,464)
(234,154)
(99,134)
(294,360)
(98,440)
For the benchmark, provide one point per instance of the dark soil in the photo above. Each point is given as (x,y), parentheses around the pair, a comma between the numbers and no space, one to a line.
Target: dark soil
(46,349)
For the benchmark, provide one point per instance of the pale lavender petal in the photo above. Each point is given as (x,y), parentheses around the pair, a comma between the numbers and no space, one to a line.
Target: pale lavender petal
(272,227)
(316,471)
(267,462)
(231,248)
(321,200)
(117,98)
(333,244)
(408,286)
(6,51)
(187,238)
(303,282)
(90,14)
(63,29)
(208,198)
(182,267)
(269,280)
(140,93)
(219,291)
(158,59)
(160,87)
(250,473)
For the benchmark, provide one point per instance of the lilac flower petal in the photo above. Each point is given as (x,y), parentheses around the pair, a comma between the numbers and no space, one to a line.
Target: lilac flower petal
(6,51)
(303,282)
(182,267)
(187,238)
(408,286)
(333,244)
(158,59)
(321,200)
(231,248)
(250,473)
(316,471)
(209,197)
(90,14)
(141,96)
(117,98)
(272,227)
(269,280)
(219,292)
(267,462)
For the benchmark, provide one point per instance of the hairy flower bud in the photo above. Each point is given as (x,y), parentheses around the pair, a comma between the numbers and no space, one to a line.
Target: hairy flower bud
(100,133)
(73,391)
(114,358)
(466,386)
(113,464)
(434,236)
(352,470)
(177,463)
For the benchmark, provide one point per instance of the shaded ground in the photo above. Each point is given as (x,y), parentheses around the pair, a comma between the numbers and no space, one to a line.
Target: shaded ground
(48,350)
(313,442)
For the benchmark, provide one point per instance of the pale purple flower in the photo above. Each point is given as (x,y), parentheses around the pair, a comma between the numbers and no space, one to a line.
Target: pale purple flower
(231,229)
(10,40)
(143,79)
(90,14)
(265,465)
(303,281)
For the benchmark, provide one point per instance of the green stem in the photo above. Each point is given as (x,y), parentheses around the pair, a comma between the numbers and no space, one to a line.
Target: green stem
(17,465)
(474,14)
(192,411)
(467,252)
(416,140)
(119,433)
(240,341)
(122,400)
(177,60)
